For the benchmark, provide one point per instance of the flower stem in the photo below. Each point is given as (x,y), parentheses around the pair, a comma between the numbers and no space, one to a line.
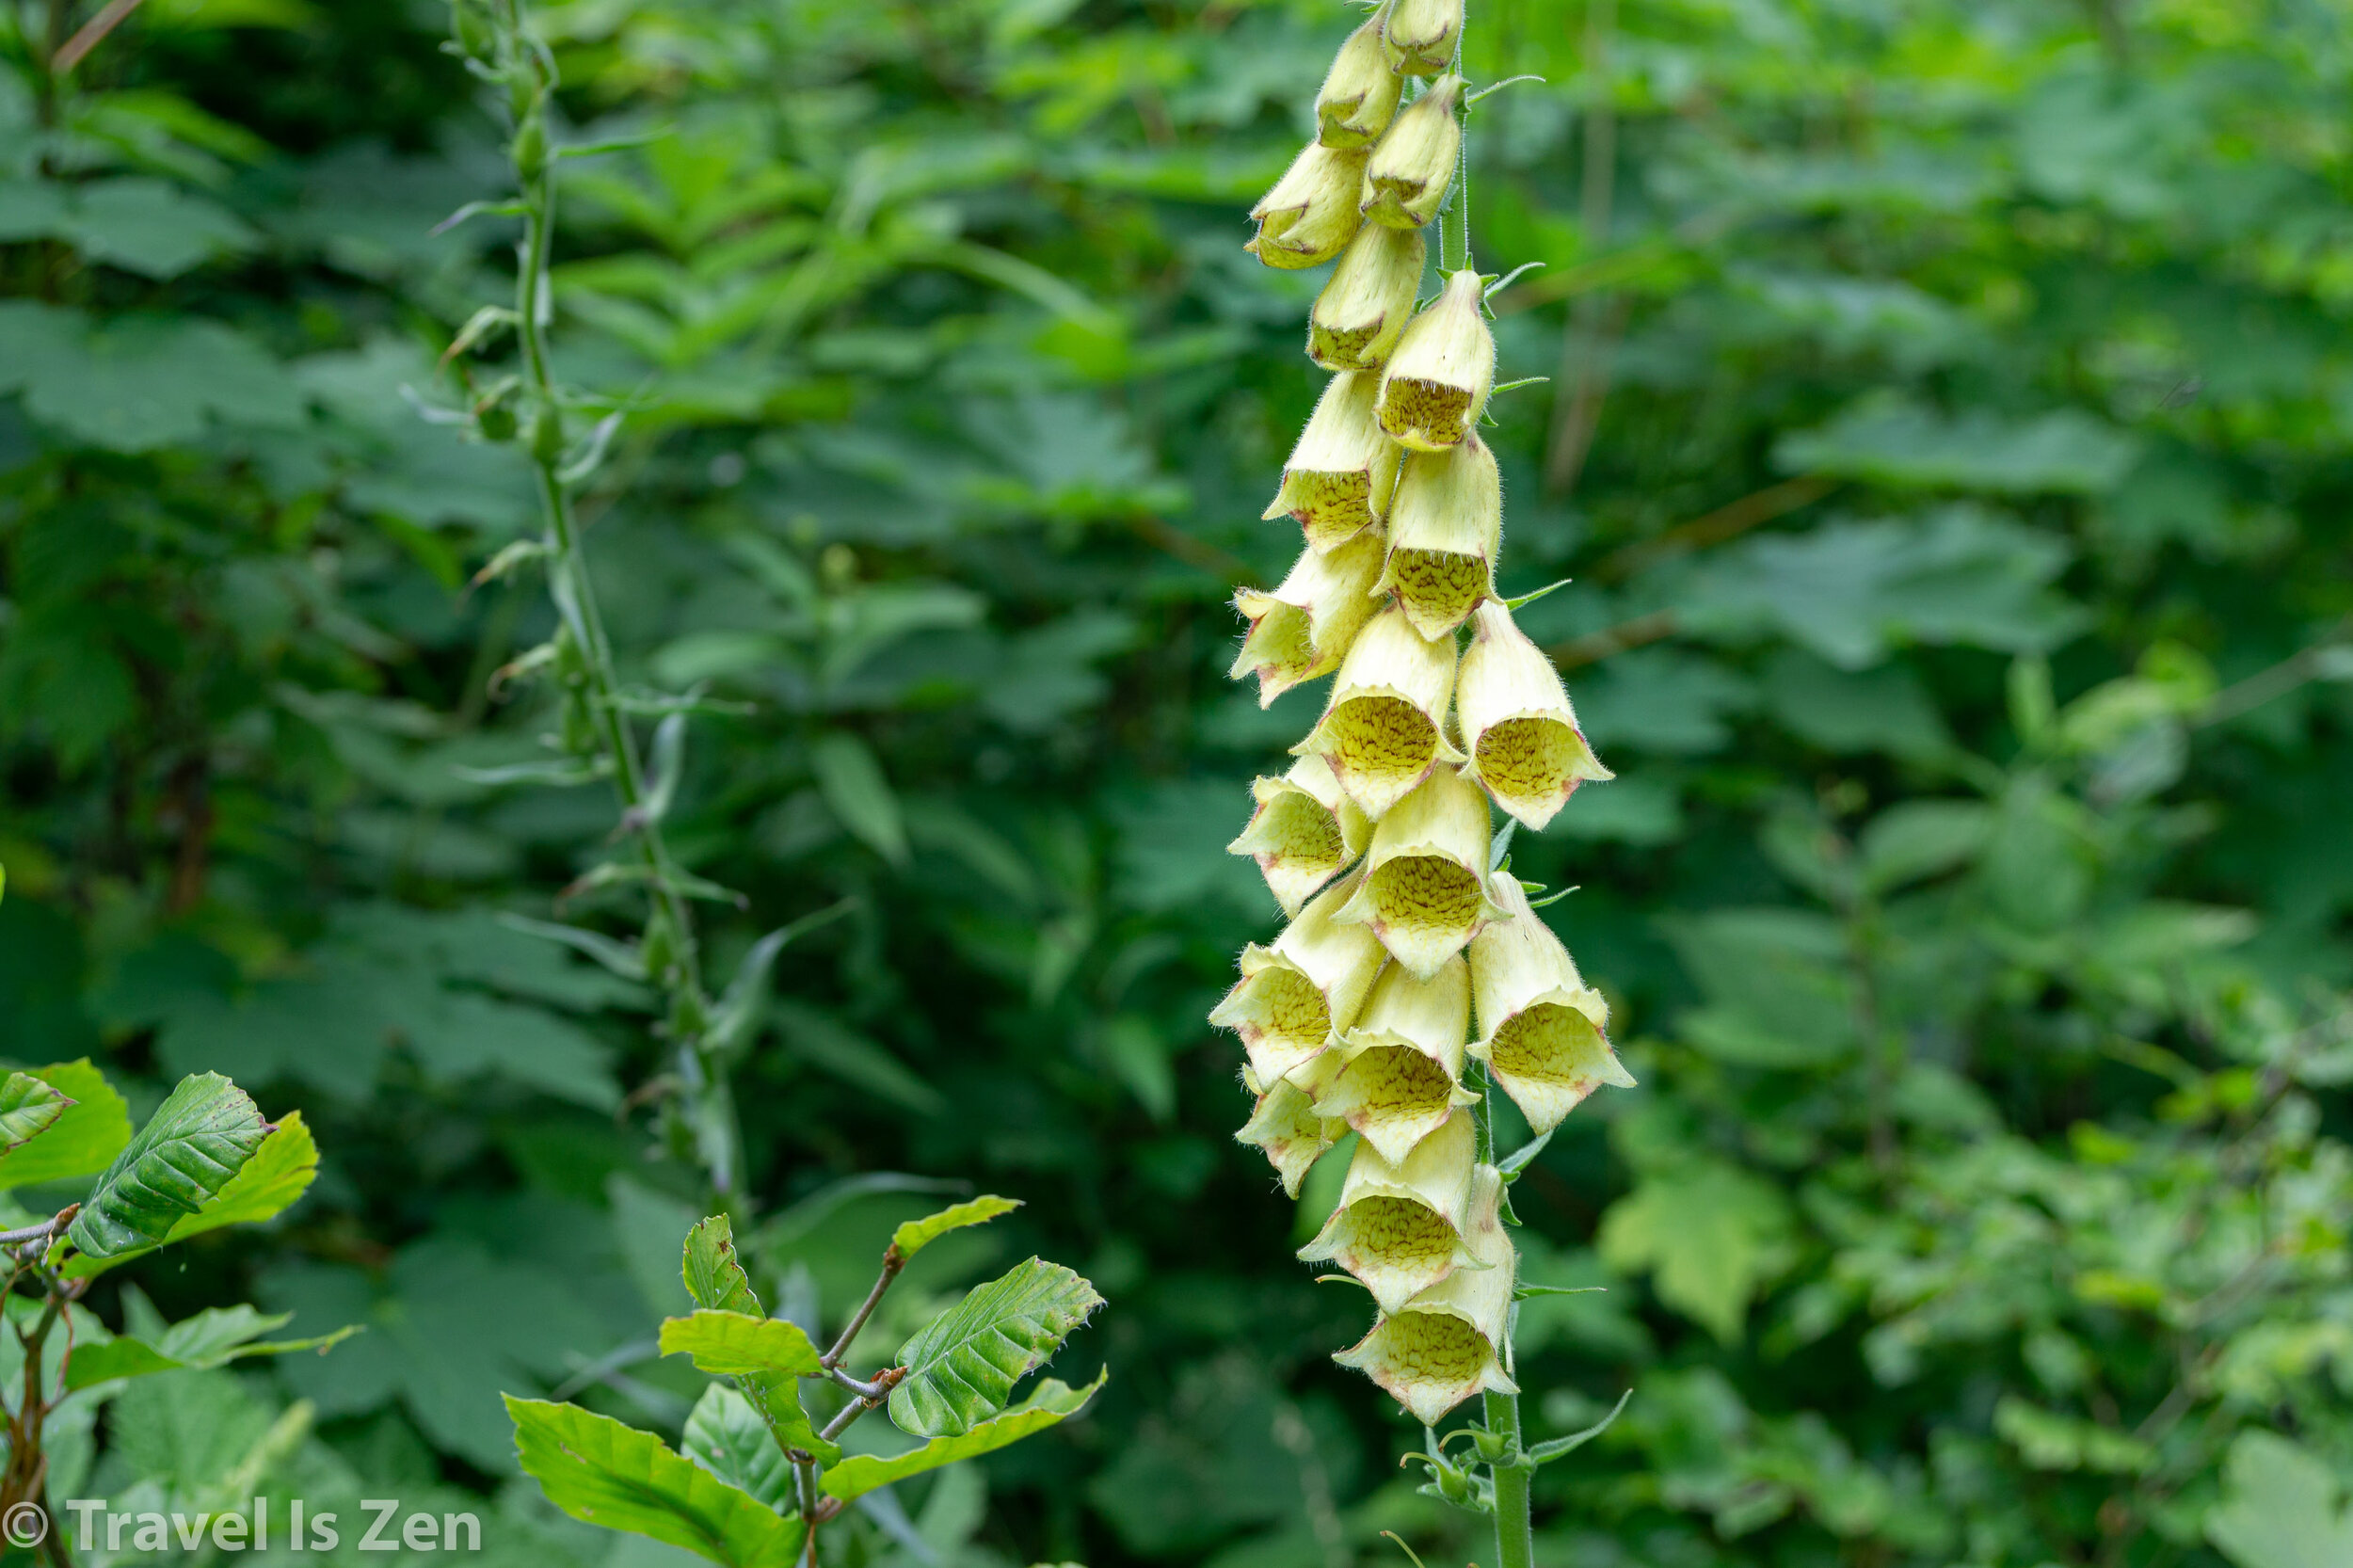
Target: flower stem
(1514,1529)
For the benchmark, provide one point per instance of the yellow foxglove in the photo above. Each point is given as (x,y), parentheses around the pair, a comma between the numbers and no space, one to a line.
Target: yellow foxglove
(1339,476)
(1446,525)
(1407,176)
(1302,628)
(1423,889)
(1436,382)
(1401,1063)
(1447,1343)
(1399,1228)
(1360,93)
(1285,1127)
(1421,35)
(1305,832)
(1383,729)
(1516,722)
(1541,1027)
(1312,211)
(1364,308)
(1292,995)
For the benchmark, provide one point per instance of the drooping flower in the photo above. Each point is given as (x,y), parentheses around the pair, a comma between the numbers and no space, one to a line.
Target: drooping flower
(1421,35)
(1406,178)
(1446,525)
(1541,1027)
(1285,1127)
(1398,1227)
(1524,746)
(1400,1073)
(1437,379)
(1292,995)
(1383,727)
(1360,93)
(1448,1342)
(1363,309)
(1312,211)
(1305,832)
(1302,628)
(1423,889)
(1337,481)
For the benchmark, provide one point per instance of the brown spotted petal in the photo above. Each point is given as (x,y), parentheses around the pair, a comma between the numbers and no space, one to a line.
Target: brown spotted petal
(1292,995)
(1445,528)
(1450,1342)
(1398,1227)
(1303,627)
(1526,749)
(1312,211)
(1542,1032)
(1420,36)
(1360,93)
(1423,889)
(1337,481)
(1406,178)
(1401,1075)
(1365,305)
(1383,729)
(1305,832)
(1436,382)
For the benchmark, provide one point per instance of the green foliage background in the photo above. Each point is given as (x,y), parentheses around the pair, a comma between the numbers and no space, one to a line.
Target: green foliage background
(1974,893)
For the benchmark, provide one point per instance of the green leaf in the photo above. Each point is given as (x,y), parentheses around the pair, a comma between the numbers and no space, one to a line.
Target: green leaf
(717,1282)
(281,1170)
(915,1235)
(90,1132)
(1890,442)
(1713,1233)
(138,382)
(28,1107)
(2281,1508)
(725,1436)
(188,1152)
(598,1470)
(714,1277)
(211,1338)
(736,1344)
(1561,1448)
(1053,1402)
(962,1368)
(856,790)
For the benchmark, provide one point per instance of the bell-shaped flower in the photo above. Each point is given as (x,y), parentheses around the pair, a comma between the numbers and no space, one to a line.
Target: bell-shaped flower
(1444,527)
(1424,887)
(1364,308)
(1398,1227)
(1406,178)
(1312,211)
(1360,91)
(1305,832)
(1436,382)
(1337,481)
(1383,727)
(1516,723)
(1400,1073)
(1293,995)
(1284,1125)
(1542,1030)
(1304,626)
(1450,1342)
(1420,36)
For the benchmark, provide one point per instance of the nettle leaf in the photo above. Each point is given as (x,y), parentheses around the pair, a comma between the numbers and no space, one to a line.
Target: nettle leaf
(211,1338)
(188,1152)
(725,1436)
(91,1131)
(717,1282)
(914,1236)
(598,1470)
(281,1170)
(962,1368)
(736,1344)
(1054,1402)
(29,1108)
(1712,1234)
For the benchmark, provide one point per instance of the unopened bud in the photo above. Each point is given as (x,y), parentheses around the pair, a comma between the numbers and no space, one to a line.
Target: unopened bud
(471,26)
(1420,36)
(1446,1343)
(1524,746)
(1401,1063)
(1383,729)
(1365,304)
(1424,887)
(1360,93)
(1406,177)
(1292,995)
(1399,1228)
(1541,1027)
(1444,527)
(1337,481)
(1438,380)
(1285,1128)
(1305,832)
(530,147)
(1303,627)
(1311,212)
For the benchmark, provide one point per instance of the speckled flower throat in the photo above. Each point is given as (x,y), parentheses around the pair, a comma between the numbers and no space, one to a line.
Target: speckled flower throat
(1414,979)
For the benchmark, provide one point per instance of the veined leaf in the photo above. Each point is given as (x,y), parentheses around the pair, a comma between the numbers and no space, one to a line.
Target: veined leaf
(189,1150)
(281,1170)
(211,1338)
(914,1236)
(714,1276)
(737,1344)
(962,1368)
(91,1130)
(725,1436)
(1053,1402)
(598,1470)
(29,1108)
(717,1282)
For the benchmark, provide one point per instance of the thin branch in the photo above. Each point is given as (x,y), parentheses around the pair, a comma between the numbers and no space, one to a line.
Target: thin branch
(891,1264)
(92,35)
(1701,532)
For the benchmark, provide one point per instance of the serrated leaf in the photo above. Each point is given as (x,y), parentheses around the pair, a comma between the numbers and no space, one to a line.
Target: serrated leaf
(90,1132)
(281,1170)
(736,1344)
(29,1108)
(194,1146)
(598,1470)
(962,1368)
(725,1436)
(1053,1402)
(914,1236)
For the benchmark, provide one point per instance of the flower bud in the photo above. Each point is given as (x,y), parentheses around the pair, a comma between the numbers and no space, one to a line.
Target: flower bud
(1305,832)
(1446,1343)
(1406,178)
(1420,36)
(1311,212)
(1360,93)
(1526,748)
(1444,527)
(1539,1024)
(1293,995)
(1363,309)
(1401,1064)
(1339,476)
(1285,1128)
(1398,1227)
(1383,729)
(1437,379)
(1301,630)
(1424,887)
